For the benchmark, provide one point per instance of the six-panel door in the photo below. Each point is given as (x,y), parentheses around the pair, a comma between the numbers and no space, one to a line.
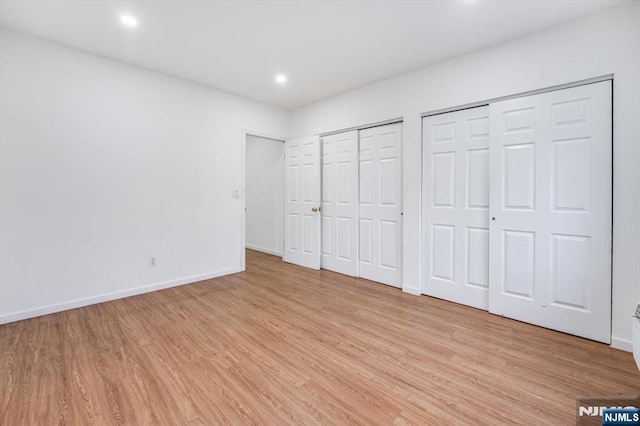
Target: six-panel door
(456,206)
(302,202)
(340,203)
(380,205)
(551,201)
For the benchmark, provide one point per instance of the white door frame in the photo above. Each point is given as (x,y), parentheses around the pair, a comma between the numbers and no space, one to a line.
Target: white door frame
(243,186)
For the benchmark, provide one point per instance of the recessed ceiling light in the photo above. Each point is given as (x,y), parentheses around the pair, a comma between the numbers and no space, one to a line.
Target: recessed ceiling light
(281,78)
(129,21)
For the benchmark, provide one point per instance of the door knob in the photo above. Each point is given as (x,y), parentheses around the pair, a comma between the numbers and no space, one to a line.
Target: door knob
(315,209)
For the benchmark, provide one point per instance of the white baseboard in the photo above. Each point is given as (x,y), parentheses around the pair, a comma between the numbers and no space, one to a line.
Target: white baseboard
(79,303)
(411,290)
(264,250)
(622,344)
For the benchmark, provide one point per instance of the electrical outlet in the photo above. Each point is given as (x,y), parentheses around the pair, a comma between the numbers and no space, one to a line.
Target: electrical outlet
(152,261)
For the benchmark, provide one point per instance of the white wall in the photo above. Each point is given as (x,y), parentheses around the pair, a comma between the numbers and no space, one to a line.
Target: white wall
(607,43)
(265,194)
(104,165)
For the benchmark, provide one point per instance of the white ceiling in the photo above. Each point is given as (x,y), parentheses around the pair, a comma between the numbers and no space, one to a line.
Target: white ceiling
(325,47)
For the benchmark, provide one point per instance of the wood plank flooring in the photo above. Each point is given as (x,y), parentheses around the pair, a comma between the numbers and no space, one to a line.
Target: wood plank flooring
(280,344)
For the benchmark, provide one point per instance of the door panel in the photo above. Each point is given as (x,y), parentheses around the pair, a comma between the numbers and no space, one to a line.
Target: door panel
(380,204)
(478,178)
(302,186)
(340,203)
(477,260)
(456,206)
(551,198)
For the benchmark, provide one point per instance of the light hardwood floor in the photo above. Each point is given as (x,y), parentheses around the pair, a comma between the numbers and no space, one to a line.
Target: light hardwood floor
(280,344)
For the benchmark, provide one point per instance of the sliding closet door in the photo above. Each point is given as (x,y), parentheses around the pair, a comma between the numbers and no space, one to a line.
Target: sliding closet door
(340,203)
(380,204)
(551,210)
(456,206)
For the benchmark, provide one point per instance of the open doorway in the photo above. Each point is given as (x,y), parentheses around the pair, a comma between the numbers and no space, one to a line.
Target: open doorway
(264,192)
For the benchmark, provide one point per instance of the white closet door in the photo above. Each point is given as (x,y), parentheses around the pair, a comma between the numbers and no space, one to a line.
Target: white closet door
(340,203)
(302,202)
(456,206)
(380,205)
(551,200)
